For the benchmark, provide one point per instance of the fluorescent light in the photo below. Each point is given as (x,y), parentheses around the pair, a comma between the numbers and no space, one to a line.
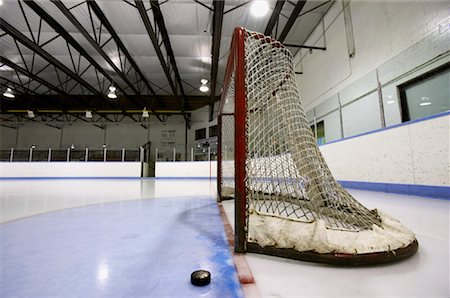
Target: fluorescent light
(259,8)
(1,2)
(88,114)
(426,101)
(204,88)
(9,93)
(145,113)
(389,100)
(112,92)
(30,114)
(112,95)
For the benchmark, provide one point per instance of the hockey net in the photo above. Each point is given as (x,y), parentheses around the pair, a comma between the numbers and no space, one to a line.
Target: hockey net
(287,201)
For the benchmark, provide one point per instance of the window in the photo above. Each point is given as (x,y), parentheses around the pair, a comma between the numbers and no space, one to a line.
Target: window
(213,131)
(200,134)
(320,133)
(426,95)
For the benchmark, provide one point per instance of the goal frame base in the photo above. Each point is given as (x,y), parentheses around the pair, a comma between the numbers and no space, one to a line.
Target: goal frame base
(338,259)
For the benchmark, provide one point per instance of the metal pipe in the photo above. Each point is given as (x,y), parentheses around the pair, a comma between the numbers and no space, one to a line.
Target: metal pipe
(68,154)
(86,154)
(30,157)
(174,153)
(11,155)
(192,154)
(380,101)
(104,154)
(215,51)
(304,47)
(49,155)
(141,154)
(123,154)
(341,120)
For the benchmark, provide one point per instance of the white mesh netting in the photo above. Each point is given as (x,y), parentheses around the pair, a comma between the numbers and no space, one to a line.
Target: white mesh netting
(286,175)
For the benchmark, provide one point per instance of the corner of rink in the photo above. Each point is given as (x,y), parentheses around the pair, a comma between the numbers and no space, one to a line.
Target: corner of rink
(267,230)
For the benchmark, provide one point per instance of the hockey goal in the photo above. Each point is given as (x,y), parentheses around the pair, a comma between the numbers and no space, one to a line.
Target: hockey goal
(287,203)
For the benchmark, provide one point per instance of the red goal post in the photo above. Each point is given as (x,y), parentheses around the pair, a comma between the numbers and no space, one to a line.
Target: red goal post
(234,74)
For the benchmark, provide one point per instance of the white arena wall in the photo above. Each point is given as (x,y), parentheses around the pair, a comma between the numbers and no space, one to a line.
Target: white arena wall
(417,153)
(70,169)
(197,169)
(393,44)
(411,158)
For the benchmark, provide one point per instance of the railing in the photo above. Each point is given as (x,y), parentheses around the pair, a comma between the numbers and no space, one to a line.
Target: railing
(86,155)
(204,151)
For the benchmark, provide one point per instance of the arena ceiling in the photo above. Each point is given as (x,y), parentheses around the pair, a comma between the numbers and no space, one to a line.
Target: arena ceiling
(59,58)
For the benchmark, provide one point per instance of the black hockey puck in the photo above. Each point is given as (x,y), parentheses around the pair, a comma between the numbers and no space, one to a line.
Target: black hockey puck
(200,278)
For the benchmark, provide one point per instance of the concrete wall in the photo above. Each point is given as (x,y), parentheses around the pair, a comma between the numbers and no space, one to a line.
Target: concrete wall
(395,41)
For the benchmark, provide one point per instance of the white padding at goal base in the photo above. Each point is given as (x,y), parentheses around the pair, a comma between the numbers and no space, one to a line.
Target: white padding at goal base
(268,230)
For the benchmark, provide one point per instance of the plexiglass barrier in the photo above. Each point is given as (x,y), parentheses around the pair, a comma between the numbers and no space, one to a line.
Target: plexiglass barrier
(72,155)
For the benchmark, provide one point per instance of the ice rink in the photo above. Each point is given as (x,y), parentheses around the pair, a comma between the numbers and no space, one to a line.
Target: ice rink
(143,238)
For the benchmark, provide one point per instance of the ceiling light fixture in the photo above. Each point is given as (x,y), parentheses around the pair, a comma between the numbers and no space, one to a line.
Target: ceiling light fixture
(426,101)
(145,113)
(112,92)
(204,88)
(259,8)
(390,100)
(9,93)
(89,114)
(30,114)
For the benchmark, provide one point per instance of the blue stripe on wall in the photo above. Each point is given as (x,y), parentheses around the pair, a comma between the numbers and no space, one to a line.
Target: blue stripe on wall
(439,192)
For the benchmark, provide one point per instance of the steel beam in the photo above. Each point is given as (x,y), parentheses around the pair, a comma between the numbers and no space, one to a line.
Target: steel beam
(30,75)
(292,18)
(8,28)
(215,51)
(94,44)
(101,16)
(274,17)
(16,86)
(177,85)
(67,37)
(165,36)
